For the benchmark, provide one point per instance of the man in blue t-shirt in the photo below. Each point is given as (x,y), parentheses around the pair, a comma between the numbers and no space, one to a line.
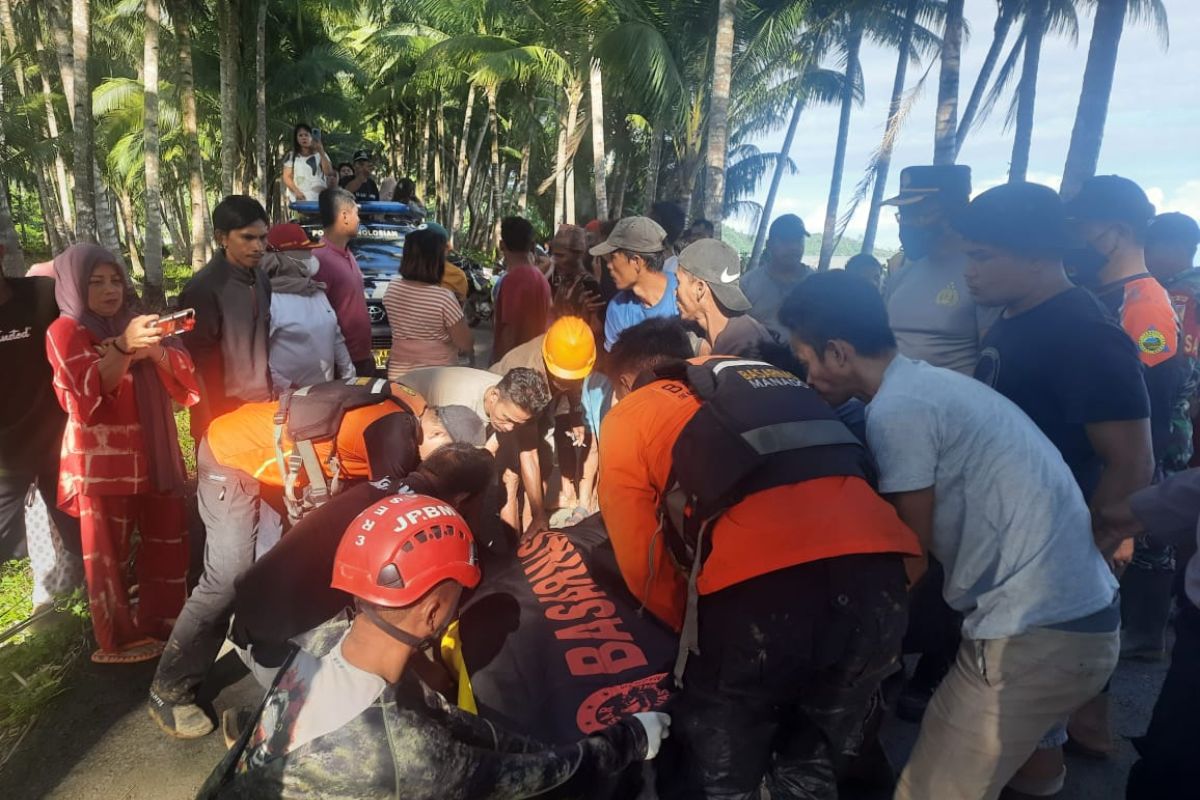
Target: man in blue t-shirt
(633,254)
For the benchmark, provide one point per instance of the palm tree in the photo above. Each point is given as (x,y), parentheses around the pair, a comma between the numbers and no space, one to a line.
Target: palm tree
(1036,20)
(85,186)
(892,127)
(152,265)
(1007,13)
(229,30)
(200,222)
(1088,133)
(260,110)
(596,93)
(718,113)
(851,43)
(945,145)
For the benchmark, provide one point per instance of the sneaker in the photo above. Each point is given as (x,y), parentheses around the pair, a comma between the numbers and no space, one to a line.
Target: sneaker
(180,720)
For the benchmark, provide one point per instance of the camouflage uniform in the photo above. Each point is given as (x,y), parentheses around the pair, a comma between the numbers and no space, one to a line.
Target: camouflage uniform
(411,743)
(1184,290)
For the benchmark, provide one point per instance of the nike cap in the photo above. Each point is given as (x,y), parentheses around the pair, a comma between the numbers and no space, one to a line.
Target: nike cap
(718,265)
(635,234)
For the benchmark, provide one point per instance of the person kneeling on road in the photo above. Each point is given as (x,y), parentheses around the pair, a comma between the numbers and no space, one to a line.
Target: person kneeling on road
(359,723)
(237,463)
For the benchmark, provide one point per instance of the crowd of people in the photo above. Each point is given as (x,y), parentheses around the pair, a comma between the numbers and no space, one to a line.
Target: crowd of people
(976,455)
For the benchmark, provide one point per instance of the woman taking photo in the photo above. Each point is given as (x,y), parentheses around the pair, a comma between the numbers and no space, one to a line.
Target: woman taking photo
(115,376)
(428,329)
(307,170)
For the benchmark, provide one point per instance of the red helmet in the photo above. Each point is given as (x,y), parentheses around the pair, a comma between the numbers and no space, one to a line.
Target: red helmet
(393,553)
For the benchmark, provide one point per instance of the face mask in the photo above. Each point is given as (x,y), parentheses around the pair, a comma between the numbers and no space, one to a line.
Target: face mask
(1084,264)
(918,242)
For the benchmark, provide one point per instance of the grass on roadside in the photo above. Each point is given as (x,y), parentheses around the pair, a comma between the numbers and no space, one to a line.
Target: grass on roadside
(35,661)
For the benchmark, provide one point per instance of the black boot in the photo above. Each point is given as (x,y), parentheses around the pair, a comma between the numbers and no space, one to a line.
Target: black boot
(1145,608)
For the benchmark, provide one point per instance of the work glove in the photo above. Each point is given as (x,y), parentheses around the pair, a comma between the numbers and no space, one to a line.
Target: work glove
(657,726)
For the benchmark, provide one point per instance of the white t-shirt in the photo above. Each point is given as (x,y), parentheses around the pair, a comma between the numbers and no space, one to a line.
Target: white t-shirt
(1010,525)
(306,174)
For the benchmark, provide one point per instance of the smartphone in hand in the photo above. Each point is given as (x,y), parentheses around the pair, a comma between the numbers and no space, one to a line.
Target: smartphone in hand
(316,134)
(178,322)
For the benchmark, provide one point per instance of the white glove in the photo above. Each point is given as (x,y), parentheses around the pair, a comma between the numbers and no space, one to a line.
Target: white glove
(657,726)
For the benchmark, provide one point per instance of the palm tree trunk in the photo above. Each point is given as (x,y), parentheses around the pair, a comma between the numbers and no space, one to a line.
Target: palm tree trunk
(1088,133)
(55,229)
(13,263)
(497,186)
(107,224)
(260,73)
(58,15)
(473,168)
(853,44)
(650,195)
(1035,26)
(131,237)
(458,198)
(884,163)
(85,184)
(560,173)
(718,114)
(574,98)
(764,221)
(596,90)
(154,238)
(62,184)
(945,145)
(191,133)
(229,36)
(526,162)
(439,175)
(1004,21)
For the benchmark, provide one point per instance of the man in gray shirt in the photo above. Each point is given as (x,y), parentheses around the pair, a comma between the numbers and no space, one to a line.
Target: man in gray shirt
(768,284)
(991,498)
(932,313)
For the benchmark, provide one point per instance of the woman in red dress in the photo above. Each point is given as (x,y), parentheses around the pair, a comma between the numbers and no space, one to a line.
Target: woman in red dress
(115,375)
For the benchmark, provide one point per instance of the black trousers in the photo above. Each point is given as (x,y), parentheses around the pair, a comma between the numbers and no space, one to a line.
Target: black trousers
(1169,764)
(789,663)
(13,491)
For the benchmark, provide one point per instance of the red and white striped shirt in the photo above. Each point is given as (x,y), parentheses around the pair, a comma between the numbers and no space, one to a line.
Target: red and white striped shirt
(421,316)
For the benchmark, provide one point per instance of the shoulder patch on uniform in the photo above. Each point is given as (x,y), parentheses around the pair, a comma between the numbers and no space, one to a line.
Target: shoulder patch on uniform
(1152,341)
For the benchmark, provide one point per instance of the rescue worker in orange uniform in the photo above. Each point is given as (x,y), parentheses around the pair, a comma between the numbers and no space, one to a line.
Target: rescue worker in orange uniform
(236,460)
(787,579)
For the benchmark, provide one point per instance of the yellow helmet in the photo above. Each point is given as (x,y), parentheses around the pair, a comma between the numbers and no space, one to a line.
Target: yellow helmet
(569,349)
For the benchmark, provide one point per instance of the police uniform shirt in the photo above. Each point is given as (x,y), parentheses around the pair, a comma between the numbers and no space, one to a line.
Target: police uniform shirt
(932,313)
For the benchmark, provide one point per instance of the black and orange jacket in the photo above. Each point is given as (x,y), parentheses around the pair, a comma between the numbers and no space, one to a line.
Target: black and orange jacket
(244,439)
(767,531)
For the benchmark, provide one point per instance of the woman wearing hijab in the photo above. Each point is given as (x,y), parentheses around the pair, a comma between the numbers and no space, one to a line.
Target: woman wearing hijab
(306,342)
(115,376)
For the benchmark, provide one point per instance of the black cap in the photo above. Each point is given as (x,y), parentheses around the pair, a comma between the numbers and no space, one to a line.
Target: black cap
(788,226)
(1024,218)
(1174,228)
(950,184)
(362,155)
(1111,198)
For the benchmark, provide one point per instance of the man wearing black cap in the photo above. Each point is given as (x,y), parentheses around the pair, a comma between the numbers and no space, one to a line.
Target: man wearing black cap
(362,183)
(784,268)
(709,296)
(1056,354)
(933,316)
(1110,218)
(1170,251)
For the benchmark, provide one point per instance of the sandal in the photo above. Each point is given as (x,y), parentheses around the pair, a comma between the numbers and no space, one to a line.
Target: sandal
(133,653)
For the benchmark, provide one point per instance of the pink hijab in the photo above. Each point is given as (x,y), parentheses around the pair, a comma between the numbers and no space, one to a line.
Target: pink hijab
(73,269)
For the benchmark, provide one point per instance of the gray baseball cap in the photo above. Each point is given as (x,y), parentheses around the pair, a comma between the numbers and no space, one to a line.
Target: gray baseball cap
(718,265)
(637,234)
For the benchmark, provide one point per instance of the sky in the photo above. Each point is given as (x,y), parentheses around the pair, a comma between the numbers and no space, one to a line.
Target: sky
(1151,135)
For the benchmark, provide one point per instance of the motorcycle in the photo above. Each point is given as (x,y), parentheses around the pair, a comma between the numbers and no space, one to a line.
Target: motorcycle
(480,305)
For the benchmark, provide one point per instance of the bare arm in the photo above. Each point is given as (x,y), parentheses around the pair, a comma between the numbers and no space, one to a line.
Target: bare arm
(531,480)
(289,180)
(915,510)
(1128,458)
(462,338)
(587,483)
